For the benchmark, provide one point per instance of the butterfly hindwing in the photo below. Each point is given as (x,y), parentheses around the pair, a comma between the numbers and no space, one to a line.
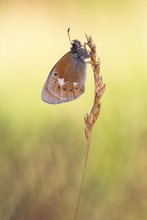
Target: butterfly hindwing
(65,81)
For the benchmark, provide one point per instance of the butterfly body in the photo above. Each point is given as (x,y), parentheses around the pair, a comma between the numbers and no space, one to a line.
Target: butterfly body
(66,80)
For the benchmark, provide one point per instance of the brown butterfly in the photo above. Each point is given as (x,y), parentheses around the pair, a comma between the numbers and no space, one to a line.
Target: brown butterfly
(66,80)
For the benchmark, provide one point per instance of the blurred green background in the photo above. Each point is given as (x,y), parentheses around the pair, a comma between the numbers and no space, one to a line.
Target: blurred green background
(42,147)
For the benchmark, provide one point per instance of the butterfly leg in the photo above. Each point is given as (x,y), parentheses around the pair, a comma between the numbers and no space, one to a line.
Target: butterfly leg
(89,62)
(85,45)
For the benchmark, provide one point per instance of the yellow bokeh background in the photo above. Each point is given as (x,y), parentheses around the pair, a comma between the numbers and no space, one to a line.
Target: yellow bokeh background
(42,147)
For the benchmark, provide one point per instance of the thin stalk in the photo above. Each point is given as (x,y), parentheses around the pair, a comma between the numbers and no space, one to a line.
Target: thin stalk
(82,180)
(91,118)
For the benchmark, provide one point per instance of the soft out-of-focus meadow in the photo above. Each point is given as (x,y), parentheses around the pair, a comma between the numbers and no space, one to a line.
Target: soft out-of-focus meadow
(42,147)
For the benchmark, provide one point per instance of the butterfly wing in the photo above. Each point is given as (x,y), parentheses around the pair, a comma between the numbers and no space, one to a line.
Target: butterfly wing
(65,81)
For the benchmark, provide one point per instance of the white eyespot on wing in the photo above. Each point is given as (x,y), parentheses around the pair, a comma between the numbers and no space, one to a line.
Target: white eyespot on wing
(75,83)
(61,81)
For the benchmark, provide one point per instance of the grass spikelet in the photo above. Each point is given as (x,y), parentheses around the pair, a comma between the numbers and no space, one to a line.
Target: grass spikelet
(91,118)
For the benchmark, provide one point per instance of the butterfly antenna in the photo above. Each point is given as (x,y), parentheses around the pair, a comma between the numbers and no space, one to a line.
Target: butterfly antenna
(69,35)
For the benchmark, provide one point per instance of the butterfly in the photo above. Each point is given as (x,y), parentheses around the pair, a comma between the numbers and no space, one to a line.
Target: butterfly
(66,80)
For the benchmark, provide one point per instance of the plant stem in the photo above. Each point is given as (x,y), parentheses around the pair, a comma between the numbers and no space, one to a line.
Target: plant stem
(91,118)
(83,177)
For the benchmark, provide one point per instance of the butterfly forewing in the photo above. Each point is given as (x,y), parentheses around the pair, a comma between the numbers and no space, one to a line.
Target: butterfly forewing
(65,81)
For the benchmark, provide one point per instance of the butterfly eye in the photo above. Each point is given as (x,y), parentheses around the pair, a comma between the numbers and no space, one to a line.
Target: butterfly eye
(64,89)
(55,74)
(76,88)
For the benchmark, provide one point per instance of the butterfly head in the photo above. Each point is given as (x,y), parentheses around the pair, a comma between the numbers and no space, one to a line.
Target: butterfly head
(76,44)
(78,50)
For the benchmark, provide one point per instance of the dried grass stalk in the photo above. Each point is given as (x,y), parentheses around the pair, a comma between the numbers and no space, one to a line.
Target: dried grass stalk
(91,118)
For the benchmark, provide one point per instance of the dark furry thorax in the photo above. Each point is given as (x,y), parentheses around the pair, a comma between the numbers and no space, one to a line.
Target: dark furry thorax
(78,50)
